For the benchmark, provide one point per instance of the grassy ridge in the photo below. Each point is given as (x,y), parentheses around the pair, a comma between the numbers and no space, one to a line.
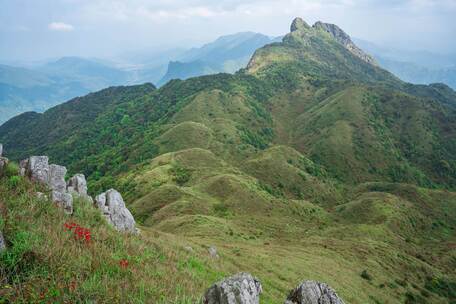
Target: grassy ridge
(309,164)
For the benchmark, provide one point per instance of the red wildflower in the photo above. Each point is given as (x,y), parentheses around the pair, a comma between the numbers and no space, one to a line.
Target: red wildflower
(80,233)
(123,263)
(72,286)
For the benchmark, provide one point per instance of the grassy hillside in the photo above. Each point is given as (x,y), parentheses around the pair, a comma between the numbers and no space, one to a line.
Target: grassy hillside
(310,164)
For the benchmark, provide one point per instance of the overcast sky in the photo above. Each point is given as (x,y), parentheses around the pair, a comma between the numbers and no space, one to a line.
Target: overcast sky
(39,29)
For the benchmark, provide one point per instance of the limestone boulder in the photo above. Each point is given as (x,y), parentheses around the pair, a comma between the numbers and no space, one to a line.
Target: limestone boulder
(56,178)
(112,205)
(78,185)
(64,200)
(241,288)
(312,292)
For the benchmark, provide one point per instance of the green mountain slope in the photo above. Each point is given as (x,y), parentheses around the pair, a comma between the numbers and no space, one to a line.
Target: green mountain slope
(311,163)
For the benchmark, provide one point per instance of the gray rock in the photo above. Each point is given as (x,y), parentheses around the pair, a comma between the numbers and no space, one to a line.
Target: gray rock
(37,168)
(188,248)
(3,163)
(2,242)
(344,39)
(298,24)
(213,252)
(241,288)
(41,195)
(78,184)
(113,207)
(23,164)
(1,149)
(312,292)
(56,179)
(64,200)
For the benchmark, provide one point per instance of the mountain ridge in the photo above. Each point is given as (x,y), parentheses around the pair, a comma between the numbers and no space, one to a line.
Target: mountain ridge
(310,156)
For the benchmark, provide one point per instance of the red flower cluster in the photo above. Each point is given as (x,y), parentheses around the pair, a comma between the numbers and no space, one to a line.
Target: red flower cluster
(80,233)
(123,263)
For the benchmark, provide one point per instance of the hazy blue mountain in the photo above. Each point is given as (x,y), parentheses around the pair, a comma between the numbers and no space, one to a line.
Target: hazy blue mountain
(37,89)
(226,54)
(42,86)
(420,67)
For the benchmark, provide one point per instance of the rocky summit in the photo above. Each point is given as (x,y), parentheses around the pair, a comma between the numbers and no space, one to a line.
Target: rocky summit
(312,170)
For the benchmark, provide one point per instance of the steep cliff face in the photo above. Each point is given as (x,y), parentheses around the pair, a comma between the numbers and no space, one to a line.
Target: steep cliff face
(345,40)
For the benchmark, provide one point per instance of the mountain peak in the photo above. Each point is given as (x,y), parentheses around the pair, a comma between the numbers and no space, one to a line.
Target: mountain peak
(298,24)
(343,38)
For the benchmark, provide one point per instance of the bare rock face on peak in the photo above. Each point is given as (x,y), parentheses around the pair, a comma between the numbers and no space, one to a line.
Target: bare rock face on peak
(298,24)
(241,288)
(343,38)
(311,292)
(113,208)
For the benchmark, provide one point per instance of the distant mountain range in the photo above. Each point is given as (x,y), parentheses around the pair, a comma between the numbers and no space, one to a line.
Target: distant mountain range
(226,54)
(44,86)
(37,89)
(41,87)
(417,67)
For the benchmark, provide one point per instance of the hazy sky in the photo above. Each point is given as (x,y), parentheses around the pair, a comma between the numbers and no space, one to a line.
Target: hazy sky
(37,29)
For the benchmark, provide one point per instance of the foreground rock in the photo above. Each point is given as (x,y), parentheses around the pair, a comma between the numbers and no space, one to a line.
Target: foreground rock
(113,208)
(78,184)
(311,292)
(36,168)
(3,164)
(56,178)
(241,288)
(63,200)
(2,242)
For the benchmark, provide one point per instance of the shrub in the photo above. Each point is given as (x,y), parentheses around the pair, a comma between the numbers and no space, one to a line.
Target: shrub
(442,287)
(11,169)
(366,276)
(13,181)
(181,175)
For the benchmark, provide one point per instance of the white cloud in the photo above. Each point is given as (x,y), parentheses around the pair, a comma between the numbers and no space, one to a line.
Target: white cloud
(60,27)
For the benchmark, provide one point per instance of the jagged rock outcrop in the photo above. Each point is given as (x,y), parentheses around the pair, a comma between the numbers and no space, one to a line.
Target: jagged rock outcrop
(344,39)
(312,292)
(241,288)
(1,150)
(77,185)
(113,208)
(298,24)
(64,200)
(56,178)
(37,168)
